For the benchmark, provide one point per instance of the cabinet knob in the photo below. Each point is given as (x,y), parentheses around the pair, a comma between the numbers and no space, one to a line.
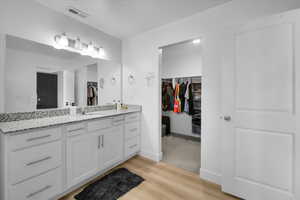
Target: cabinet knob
(227,118)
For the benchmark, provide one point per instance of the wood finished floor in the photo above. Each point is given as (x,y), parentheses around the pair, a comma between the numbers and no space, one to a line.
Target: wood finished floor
(166,182)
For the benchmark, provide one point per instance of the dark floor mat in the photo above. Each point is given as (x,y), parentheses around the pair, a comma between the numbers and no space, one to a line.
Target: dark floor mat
(111,186)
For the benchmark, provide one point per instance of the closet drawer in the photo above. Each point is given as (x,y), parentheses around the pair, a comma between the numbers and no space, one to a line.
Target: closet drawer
(34,138)
(33,161)
(99,124)
(43,187)
(132,130)
(132,117)
(132,146)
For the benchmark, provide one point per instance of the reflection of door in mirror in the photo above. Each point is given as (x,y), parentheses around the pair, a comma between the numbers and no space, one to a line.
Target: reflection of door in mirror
(46,90)
(92,85)
(92,93)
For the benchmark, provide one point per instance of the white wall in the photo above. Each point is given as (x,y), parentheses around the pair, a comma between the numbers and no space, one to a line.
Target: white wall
(112,89)
(68,86)
(92,72)
(181,60)
(30,20)
(140,56)
(2,67)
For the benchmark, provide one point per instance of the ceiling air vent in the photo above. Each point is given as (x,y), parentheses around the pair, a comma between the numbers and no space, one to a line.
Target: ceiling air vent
(77,12)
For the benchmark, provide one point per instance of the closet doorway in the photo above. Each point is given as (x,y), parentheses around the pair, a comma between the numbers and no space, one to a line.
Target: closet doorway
(181,89)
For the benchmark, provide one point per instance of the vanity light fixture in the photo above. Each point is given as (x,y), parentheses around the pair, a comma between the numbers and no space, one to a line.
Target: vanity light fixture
(61,41)
(78,44)
(75,45)
(196,41)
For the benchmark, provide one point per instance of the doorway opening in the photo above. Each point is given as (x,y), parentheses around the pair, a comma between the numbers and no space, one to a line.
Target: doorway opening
(47,90)
(181,89)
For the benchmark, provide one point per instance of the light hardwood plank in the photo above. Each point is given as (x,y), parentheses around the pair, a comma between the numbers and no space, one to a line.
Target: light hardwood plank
(166,182)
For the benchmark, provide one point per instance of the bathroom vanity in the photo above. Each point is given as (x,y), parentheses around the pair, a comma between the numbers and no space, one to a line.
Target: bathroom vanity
(46,158)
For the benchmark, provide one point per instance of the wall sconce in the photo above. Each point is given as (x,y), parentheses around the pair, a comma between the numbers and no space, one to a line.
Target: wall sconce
(149,77)
(101,83)
(131,79)
(113,80)
(75,45)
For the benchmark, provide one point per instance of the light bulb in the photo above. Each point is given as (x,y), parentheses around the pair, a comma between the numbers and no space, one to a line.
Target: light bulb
(78,44)
(63,41)
(101,52)
(91,48)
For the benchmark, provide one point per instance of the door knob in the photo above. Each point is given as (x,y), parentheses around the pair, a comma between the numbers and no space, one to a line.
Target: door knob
(227,118)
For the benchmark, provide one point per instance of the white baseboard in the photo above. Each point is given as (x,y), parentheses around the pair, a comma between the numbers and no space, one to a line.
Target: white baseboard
(210,176)
(151,156)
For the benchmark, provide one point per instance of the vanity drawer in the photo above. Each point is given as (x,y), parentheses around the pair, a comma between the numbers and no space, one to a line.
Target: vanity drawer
(42,187)
(76,129)
(132,117)
(132,130)
(99,124)
(132,146)
(33,161)
(117,121)
(34,138)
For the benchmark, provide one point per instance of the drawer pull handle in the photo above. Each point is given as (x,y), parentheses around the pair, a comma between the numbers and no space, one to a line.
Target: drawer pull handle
(133,130)
(38,192)
(102,141)
(78,129)
(38,161)
(121,120)
(99,142)
(38,138)
(131,147)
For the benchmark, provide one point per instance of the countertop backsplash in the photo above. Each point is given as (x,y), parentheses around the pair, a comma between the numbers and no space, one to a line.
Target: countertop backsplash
(18,116)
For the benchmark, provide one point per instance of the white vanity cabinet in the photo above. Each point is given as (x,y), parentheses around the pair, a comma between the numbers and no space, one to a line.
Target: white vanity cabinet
(109,134)
(45,163)
(31,164)
(112,144)
(81,154)
(132,134)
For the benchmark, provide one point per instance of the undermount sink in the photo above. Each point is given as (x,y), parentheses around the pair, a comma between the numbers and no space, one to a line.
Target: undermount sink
(103,112)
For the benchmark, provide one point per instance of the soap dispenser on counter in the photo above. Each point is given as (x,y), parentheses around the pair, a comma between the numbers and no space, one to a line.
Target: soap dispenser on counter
(119,106)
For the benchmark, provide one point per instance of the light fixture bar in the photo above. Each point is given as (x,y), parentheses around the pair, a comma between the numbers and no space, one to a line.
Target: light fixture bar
(75,45)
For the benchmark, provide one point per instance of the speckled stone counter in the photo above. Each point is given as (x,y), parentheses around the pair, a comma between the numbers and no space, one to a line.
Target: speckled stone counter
(16,126)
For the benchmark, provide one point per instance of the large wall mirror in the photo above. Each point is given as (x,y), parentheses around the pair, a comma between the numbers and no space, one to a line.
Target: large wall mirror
(38,76)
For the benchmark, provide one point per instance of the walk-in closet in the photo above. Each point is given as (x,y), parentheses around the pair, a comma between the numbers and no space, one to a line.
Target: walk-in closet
(181,87)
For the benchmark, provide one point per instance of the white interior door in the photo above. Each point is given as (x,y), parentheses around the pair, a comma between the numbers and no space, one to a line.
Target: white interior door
(260,84)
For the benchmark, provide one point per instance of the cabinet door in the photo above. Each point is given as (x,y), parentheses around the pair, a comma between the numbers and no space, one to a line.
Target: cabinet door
(112,146)
(82,158)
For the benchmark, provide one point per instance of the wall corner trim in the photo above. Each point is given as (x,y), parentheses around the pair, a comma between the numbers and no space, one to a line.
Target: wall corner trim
(152,156)
(210,176)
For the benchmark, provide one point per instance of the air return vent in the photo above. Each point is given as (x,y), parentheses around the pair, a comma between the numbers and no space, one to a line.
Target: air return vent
(78,12)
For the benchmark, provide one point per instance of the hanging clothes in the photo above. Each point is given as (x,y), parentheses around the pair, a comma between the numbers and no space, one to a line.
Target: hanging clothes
(165,99)
(177,102)
(187,98)
(167,96)
(191,100)
(182,89)
(170,93)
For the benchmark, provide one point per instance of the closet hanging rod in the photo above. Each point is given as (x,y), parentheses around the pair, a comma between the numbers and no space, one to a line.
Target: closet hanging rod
(182,77)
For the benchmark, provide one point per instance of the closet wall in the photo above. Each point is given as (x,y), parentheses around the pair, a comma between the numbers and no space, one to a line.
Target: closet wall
(181,60)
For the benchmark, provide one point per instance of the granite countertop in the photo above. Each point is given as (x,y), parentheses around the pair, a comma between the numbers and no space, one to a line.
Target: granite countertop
(16,126)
